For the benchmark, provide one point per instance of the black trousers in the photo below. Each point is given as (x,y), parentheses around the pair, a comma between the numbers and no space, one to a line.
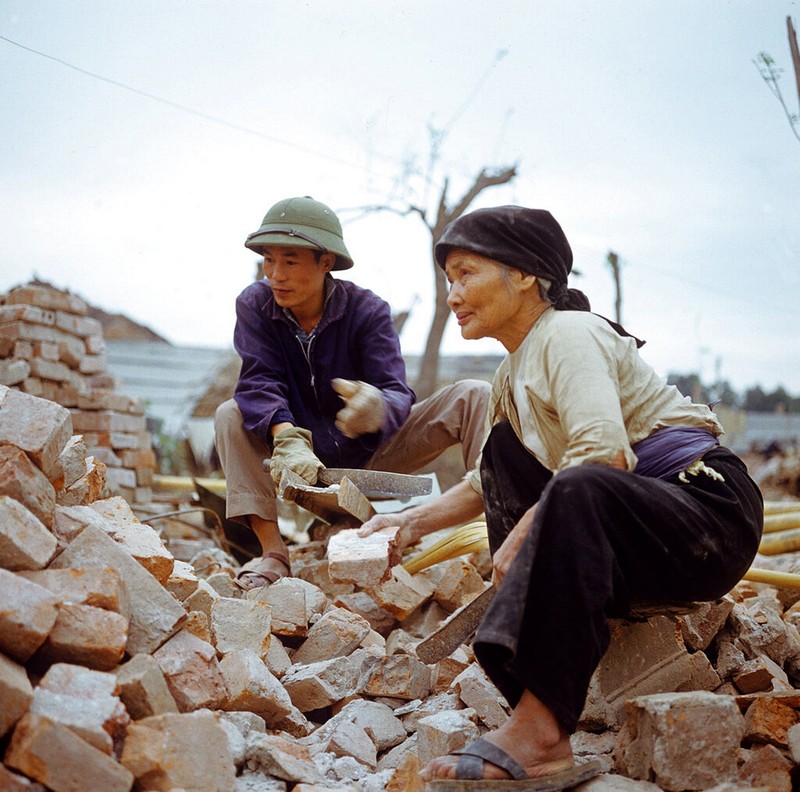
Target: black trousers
(602,539)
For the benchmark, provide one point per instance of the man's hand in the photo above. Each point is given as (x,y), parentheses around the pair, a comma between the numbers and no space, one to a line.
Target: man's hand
(292,450)
(364,408)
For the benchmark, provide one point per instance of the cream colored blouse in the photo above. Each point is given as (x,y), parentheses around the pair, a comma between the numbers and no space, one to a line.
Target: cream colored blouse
(575,391)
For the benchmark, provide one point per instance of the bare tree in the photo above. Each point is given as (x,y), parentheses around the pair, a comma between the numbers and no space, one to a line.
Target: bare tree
(771,75)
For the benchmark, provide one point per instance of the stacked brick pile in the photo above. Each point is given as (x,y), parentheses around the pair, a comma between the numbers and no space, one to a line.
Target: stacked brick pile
(124,667)
(50,348)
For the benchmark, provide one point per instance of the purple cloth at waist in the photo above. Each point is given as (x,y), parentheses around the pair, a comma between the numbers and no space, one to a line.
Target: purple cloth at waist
(670,450)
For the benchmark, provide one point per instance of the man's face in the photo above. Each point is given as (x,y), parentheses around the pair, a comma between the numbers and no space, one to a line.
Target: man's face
(297,276)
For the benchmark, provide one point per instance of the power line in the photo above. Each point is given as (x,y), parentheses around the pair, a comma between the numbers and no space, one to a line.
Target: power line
(183,108)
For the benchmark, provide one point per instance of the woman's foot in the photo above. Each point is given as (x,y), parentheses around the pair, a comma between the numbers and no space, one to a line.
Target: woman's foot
(531,736)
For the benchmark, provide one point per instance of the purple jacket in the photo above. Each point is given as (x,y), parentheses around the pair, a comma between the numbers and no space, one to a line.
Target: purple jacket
(281,381)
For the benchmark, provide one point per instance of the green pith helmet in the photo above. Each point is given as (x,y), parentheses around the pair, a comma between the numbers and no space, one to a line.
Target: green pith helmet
(302,222)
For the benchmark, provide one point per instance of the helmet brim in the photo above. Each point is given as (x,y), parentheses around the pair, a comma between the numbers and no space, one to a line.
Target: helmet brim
(301,236)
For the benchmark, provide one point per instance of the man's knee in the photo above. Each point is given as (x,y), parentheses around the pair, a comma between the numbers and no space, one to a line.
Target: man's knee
(227,416)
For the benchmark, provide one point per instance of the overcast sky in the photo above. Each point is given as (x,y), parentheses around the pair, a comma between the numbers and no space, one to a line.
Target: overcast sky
(143,141)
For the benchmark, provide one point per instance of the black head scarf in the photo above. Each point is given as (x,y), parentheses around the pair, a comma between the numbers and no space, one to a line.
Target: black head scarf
(530,240)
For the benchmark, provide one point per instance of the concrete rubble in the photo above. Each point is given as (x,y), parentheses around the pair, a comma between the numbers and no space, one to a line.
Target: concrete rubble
(128,661)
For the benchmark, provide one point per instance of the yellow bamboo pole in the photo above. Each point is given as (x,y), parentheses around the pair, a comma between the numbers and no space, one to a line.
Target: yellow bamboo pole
(772,577)
(186,484)
(779,507)
(780,542)
(781,522)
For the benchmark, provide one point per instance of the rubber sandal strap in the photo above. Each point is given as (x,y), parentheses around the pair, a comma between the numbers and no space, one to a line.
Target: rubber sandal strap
(491,753)
(279,557)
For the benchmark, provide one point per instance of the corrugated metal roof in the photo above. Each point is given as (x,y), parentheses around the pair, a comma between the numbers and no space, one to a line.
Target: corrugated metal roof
(169,379)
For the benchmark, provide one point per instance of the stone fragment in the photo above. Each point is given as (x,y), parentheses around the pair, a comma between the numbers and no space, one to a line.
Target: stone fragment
(192,672)
(384,728)
(337,633)
(363,561)
(643,658)
(16,694)
(293,603)
(154,613)
(445,671)
(71,462)
(58,758)
(662,730)
(84,701)
(24,541)
(38,427)
(761,675)
(349,739)
(768,720)
(793,741)
(86,635)
(402,593)
(101,587)
(398,676)
(182,581)
(460,583)
(321,684)
(202,599)
(27,614)
(284,759)
(767,768)
(252,687)
(277,659)
(91,486)
(187,751)
(238,624)
(443,732)
(22,481)
(361,603)
(13,782)
(12,372)
(478,693)
(143,688)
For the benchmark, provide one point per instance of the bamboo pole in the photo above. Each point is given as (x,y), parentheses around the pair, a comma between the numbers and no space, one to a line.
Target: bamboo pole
(186,484)
(781,542)
(779,507)
(781,522)
(772,577)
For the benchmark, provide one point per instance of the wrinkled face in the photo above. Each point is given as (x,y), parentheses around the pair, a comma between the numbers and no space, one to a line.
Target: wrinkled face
(296,276)
(488,298)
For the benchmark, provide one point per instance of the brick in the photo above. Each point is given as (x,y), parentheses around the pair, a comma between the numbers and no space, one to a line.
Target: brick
(700,627)
(337,633)
(759,675)
(182,581)
(446,670)
(238,624)
(180,751)
(361,603)
(85,421)
(253,688)
(444,732)
(21,480)
(49,370)
(363,561)
(24,542)
(91,486)
(77,325)
(402,593)
(13,782)
(40,428)
(662,730)
(16,694)
(93,364)
(26,313)
(12,372)
(154,613)
(143,688)
(348,739)
(192,672)
(48,298)
(82,700)
(378,721)
(460,583)
(27,614)
(86,636)
(54,755)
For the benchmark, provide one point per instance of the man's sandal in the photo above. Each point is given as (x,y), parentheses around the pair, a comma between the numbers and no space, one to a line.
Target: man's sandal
(470,768)
(258,576)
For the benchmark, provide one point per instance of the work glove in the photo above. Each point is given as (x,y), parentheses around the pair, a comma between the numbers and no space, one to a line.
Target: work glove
(364,408)
(292,450)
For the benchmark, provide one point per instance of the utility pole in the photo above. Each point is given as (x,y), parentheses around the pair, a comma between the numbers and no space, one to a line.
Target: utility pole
(613,262)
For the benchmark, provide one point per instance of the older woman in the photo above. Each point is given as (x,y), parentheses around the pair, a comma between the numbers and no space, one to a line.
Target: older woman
(602,486)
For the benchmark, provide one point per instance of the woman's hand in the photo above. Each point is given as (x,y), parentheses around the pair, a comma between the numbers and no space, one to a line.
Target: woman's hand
(405,536)
(507,552)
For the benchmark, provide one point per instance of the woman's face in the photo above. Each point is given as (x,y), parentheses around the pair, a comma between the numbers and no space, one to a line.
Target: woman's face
(489,299)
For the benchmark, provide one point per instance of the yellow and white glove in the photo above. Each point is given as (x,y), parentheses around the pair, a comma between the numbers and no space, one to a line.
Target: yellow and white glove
(364,408)
(292,449)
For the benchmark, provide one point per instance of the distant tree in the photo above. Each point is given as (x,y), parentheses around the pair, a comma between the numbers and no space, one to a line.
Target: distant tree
(771,75)
(689,385)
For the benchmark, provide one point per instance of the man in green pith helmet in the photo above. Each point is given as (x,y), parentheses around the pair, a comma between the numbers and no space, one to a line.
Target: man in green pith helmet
(323,381)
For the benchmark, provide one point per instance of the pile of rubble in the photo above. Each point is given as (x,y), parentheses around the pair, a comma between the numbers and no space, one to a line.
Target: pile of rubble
(50,348)
(124,666)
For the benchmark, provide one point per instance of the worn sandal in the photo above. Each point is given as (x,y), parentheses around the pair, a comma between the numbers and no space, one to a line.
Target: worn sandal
(469,772)
(258,577)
